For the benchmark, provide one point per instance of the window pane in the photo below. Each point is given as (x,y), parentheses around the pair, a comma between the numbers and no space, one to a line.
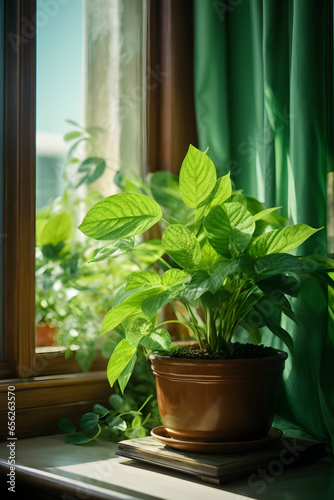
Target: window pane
(90,125)
(1,177)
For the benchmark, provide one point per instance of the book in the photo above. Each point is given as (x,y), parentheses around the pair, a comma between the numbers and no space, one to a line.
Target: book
(218,468)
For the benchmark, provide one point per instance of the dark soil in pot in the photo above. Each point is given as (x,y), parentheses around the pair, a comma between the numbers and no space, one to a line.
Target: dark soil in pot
(234,350)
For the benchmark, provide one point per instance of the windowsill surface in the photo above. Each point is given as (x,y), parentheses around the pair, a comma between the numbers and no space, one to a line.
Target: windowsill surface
(48,465)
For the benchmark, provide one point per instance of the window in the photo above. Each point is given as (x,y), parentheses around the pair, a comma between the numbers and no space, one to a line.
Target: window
(50,387)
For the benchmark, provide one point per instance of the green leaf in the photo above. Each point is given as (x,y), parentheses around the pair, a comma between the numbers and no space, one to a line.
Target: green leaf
(120,216)
(65,425)
(277,296)
(57,229)
(121,356)
(281,240)
(72,135)
(229,228)
(121,247)
(197,177)
(221,269)
(222,191)
(93,167)
(88,421)
(274,264)
(137,421)
(139,432)
(117,423)
(174,276)
(286,284)
(181,245)
(100,410)
(129,307)
(264,213)
(143,278)
(274,327)
(209,257)
(199,284)
(159,340)
(81,438)
(151,305)
(137,329)
(124,377)
(217,299)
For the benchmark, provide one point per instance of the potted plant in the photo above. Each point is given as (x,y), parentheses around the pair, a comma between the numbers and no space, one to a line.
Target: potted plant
(229,272)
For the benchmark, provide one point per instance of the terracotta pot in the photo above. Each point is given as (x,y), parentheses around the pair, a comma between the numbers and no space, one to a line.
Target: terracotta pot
(218,400)
(45,335)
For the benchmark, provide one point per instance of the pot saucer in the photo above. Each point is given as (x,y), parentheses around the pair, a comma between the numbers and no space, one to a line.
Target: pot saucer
(160,434)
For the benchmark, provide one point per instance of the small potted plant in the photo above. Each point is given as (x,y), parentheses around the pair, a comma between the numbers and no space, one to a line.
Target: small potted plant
(229,272)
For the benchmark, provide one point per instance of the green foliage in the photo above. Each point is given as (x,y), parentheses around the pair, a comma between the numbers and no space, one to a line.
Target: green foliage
(120,216)
(227,263)
(120,421)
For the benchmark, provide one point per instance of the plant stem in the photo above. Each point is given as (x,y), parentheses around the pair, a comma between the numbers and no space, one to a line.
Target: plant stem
(171,321)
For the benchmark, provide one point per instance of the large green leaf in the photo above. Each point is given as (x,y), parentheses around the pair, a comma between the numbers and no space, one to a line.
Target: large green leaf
(121,356)
(143,278)
(120,216)
(280,240)
(181,245)
(57,229)
(229,228)
(197,177)
(129,307)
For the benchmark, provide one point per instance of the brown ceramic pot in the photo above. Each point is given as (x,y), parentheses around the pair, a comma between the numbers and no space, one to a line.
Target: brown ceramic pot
(218,400)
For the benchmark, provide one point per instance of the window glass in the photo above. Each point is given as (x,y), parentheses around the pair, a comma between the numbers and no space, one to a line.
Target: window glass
(90,104)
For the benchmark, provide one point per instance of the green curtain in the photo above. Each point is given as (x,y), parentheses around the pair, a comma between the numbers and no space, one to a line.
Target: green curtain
(263,97)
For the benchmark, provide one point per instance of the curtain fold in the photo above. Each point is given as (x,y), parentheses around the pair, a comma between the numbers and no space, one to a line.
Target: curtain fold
(115,86)
(264,106)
